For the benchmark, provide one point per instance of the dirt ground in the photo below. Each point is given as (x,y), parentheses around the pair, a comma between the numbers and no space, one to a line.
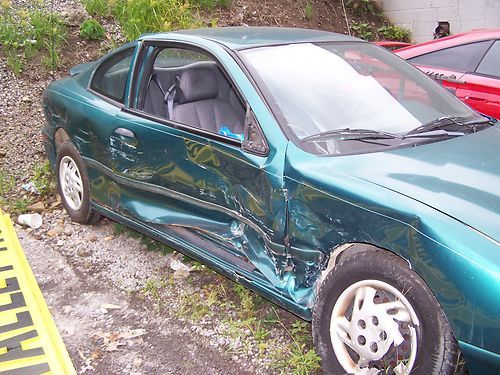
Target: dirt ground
(85,272)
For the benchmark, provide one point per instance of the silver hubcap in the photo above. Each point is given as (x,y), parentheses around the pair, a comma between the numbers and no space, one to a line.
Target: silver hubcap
(71,183)
(373,329)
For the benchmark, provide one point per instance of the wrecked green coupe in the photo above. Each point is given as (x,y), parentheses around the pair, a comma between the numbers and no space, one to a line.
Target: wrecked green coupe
(319,170)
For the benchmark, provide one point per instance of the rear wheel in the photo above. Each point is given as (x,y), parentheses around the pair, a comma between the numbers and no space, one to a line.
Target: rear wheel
(374,315)
(73,185)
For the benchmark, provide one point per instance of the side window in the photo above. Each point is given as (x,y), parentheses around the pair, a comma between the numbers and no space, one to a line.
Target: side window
(110,78)
(189,87)
(490,64)
(461,58)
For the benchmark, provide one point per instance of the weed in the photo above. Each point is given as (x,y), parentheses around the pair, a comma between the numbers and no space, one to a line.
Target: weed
(391,32)
(363,7)
(43,178)
(26,32)
(300,357)
(141,16)
(6,184)
(211,4)
(246,297)
(20,205)
(309,11)
(362,30)
(14,61)
(98,8)
(92,30)
(153,289)
(195,306)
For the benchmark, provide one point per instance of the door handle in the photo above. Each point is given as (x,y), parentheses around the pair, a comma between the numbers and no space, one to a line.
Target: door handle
(125,132)
(475,98)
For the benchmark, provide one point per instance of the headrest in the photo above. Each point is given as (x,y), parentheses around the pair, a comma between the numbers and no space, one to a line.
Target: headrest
(198,84)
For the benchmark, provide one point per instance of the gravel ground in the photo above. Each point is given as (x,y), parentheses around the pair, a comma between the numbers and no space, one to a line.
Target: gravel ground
(120,308)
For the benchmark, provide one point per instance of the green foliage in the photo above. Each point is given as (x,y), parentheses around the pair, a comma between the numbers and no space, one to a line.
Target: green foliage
(98,8)
(211,4)
(92,30)
(43,178)
(14,61)
(143,16)
(362,7)
(23,33)
(195,306)
(20,205)
(391,32)
(309,10)
(362,30)
(300,358)
(6,183)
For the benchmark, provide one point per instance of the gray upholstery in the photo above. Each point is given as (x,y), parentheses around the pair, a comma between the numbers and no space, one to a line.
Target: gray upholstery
(198,84)
(153,102)
(204,97)
(200,106)
(210,115)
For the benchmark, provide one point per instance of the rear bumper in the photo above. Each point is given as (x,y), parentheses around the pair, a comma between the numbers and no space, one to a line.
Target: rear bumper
(480,361)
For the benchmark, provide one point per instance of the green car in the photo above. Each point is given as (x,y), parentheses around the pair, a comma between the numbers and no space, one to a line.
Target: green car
(319,170)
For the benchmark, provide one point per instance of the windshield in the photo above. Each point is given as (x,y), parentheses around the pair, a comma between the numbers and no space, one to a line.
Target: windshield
(319,88)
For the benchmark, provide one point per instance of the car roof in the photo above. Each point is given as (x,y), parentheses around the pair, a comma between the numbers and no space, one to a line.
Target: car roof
(247,37)
(477,35)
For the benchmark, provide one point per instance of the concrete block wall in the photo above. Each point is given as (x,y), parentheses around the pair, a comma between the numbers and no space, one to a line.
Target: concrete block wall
(421,16)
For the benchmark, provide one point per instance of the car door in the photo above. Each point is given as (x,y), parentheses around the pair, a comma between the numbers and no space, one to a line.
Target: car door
(93,121)
(482,86)
(178,177)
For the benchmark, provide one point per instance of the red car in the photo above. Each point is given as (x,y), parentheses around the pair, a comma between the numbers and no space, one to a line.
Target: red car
(467,63)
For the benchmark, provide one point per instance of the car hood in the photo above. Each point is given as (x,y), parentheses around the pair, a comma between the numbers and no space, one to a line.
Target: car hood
(459,177)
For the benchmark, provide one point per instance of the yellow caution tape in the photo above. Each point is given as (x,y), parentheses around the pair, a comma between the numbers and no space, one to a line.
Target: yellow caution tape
(29,340)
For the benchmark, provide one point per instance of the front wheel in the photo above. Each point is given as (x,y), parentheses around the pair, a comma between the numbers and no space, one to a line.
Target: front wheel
(376,316)
(73,185)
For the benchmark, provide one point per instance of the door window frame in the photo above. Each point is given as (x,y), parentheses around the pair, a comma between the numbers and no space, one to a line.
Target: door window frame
(144,63)
(108,59)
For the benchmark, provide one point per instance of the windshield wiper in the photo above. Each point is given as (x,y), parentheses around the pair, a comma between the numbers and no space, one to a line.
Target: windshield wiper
(350,134)
(434,133)
(445,122)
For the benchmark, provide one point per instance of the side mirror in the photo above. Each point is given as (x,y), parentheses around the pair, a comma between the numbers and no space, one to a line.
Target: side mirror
(254,140)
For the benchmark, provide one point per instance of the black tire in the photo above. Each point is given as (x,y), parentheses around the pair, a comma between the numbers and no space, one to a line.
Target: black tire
(83,213)
(437,351)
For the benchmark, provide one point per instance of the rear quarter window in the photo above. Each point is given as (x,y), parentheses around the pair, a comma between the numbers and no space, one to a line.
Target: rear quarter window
(110,78)
(490,65)
(464,58)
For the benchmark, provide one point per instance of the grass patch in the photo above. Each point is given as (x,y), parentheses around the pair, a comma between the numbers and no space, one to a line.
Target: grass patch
(25,32)
(92,30)
(300,357)
(391,32)
(98,8)
(43,178)
(211,4)
(19,205)
(145,16)
(309,11)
